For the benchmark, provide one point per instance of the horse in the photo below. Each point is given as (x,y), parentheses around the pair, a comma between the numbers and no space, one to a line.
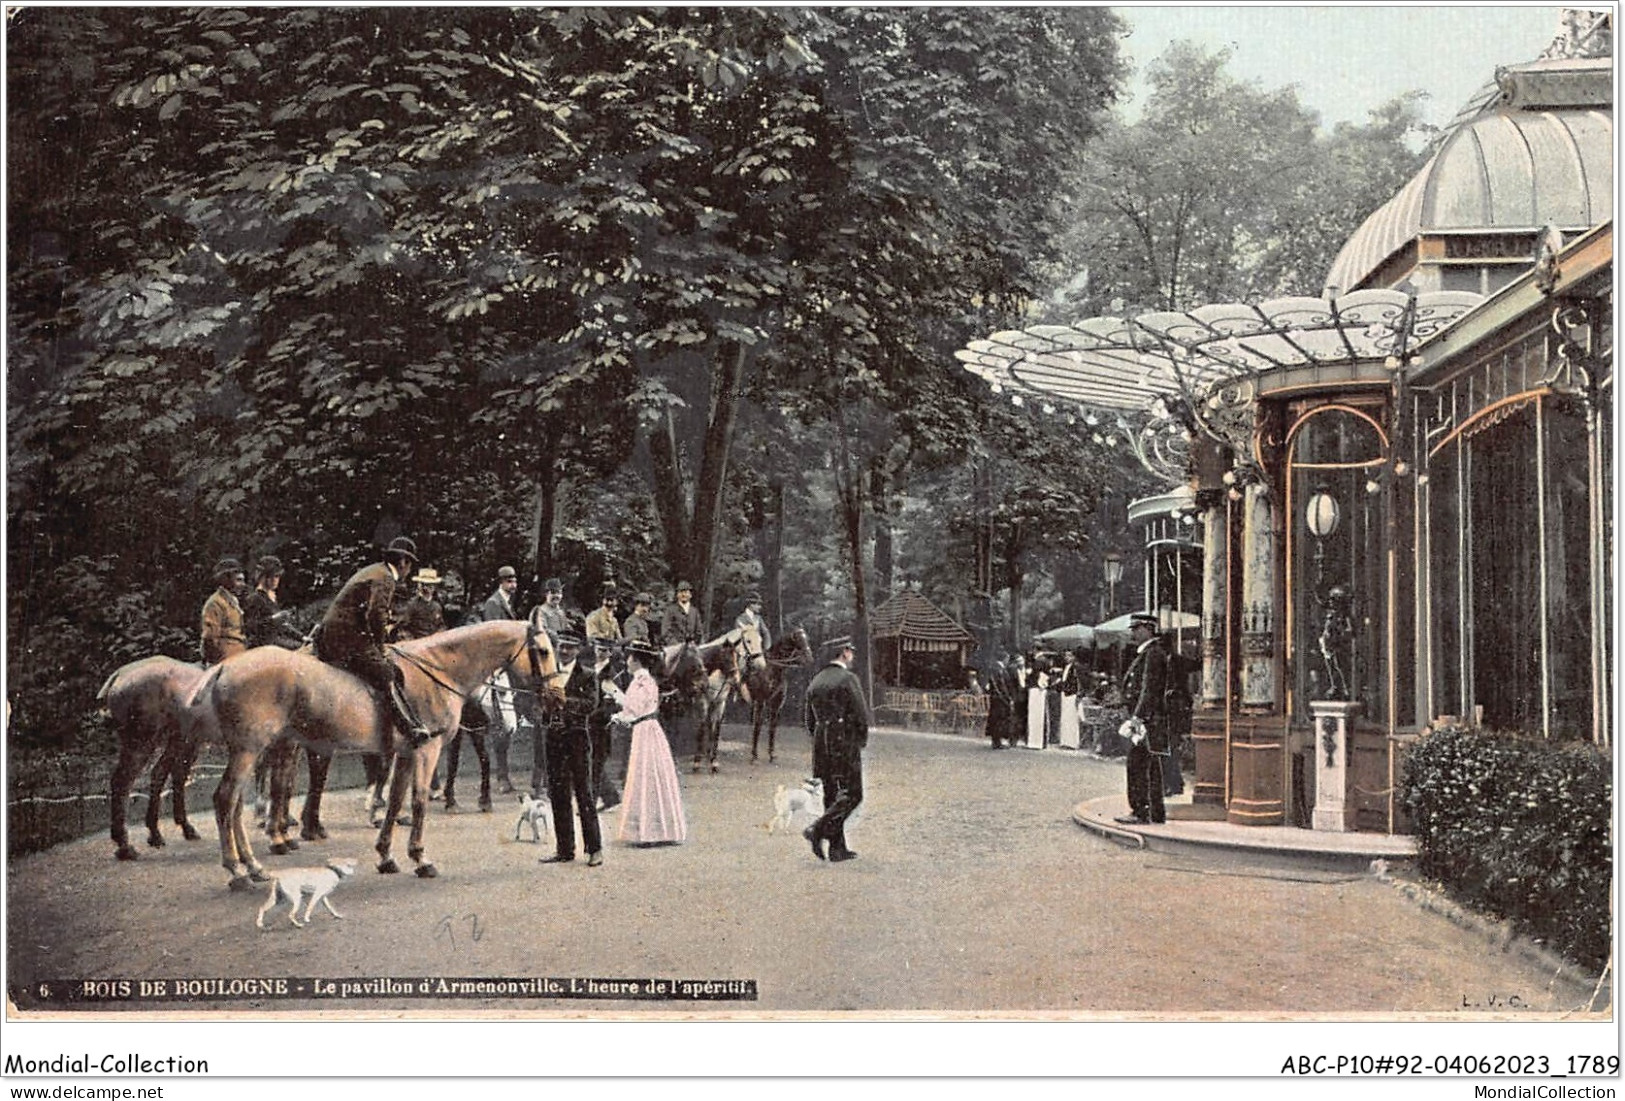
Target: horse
(766,682)
(147,703)
(269,695)
(709,674)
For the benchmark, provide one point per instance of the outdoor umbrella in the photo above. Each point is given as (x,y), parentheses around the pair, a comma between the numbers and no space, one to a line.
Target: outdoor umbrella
(1069,637)
(1115,631)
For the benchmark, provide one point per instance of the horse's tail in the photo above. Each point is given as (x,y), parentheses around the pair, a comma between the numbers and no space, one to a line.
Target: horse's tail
(107,687)
(204,686)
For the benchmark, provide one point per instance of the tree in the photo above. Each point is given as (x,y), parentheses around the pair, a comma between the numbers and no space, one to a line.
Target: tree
(1223,191)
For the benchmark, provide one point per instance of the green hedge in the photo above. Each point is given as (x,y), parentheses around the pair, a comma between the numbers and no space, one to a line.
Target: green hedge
(1520,828)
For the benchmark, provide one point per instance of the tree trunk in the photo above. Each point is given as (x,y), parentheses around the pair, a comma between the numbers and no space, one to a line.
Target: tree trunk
(547,504)
(849,491)
(770,549)
(884,556)
(713,478)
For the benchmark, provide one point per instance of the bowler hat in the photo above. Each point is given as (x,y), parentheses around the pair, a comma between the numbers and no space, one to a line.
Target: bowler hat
(227,566)
(684,587)
(268,566)
(643,598)
(553,585)
(507,573)
(402,546)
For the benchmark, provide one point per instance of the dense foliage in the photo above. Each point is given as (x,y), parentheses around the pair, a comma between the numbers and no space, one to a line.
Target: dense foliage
(1521,828)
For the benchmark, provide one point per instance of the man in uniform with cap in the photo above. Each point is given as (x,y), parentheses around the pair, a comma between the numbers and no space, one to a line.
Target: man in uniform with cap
(265,623)
(681,623)
(222,622)
(838,720)
(602,624)
(361,620)
(637,625)
(1144,685)
(569,758)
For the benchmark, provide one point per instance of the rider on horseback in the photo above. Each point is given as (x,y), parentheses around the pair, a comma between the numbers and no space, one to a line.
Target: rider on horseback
(358,624)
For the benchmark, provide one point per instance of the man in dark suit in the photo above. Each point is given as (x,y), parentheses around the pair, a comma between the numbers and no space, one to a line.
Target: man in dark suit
(838,720)
(569,758)
(1144,687)
(681,623)
(361,620)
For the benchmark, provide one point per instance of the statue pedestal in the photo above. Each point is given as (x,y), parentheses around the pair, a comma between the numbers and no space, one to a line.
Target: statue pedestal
(1333,812)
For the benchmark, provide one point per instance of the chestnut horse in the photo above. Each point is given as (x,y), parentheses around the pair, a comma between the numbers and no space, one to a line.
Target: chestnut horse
(147,702)
(765,679)
(708,675)
(269,695)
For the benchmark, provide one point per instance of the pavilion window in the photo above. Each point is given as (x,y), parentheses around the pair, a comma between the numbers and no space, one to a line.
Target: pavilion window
(1339,585)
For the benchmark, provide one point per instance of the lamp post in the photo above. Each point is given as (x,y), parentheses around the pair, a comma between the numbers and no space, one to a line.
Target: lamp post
(1114,574)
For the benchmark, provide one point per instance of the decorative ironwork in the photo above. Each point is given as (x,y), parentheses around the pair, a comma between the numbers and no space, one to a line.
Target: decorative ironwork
(1169,375)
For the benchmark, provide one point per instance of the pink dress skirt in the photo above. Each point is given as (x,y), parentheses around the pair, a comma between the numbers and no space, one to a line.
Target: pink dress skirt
(652,804)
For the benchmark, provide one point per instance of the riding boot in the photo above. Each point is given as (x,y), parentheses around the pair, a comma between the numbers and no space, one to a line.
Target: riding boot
(406,719)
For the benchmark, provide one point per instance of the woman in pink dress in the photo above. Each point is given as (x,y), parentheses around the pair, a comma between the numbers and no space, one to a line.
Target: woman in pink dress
(652,805)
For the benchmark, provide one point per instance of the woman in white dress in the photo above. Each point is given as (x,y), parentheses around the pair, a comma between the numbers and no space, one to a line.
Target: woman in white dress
(652,804)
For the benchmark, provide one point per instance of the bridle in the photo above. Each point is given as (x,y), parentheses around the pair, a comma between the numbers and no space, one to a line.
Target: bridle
(529,648)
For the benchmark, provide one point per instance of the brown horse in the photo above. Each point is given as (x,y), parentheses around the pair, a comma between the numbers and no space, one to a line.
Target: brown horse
(707,676)
(269,695)
(147,702)
(766,684)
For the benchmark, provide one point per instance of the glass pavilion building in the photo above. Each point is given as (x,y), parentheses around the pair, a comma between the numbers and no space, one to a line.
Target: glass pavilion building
(1404,484)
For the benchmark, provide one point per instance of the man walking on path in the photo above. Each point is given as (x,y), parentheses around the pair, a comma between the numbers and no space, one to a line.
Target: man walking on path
(838,720)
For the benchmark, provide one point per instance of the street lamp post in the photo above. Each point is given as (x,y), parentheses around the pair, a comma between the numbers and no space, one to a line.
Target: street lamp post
(1114,574)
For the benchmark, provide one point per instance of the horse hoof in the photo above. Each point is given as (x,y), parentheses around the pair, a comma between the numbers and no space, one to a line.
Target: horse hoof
(190,834)
(281,849)
(240,883)
(713,768)
(313,833)
(485,806)
(388,867)
(127,853)
(260,875)
(155,841)
(425,871)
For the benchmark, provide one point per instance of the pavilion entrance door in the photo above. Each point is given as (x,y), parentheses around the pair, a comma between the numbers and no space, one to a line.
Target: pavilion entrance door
(1337,577)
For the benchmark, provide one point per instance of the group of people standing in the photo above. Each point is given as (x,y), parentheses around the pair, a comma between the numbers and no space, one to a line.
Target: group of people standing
(1154,690)
(575,743)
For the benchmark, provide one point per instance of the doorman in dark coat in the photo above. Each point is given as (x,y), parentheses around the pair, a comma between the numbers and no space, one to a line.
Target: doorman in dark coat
(838,720)
(569,759)
(1145,686)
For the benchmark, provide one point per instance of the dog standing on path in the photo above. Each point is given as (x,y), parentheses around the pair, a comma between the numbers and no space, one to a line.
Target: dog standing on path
(788,802)
(538,812)
(310,885)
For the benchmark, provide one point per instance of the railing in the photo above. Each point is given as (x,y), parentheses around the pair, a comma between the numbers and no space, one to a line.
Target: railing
(956,711)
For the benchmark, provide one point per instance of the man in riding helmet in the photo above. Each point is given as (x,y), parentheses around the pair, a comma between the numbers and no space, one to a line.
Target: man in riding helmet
(222,627)
(361,620)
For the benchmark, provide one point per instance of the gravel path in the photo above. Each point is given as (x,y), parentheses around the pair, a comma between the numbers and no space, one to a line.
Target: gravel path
(975,894)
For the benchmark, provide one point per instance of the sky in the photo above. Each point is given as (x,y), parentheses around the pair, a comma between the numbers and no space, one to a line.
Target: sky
(1346,60)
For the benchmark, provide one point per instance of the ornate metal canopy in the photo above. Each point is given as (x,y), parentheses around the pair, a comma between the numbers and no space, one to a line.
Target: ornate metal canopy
(1182,372)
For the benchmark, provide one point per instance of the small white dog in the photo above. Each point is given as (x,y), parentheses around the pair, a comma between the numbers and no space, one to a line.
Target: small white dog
(310,885)
(538,812)
(808,799)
